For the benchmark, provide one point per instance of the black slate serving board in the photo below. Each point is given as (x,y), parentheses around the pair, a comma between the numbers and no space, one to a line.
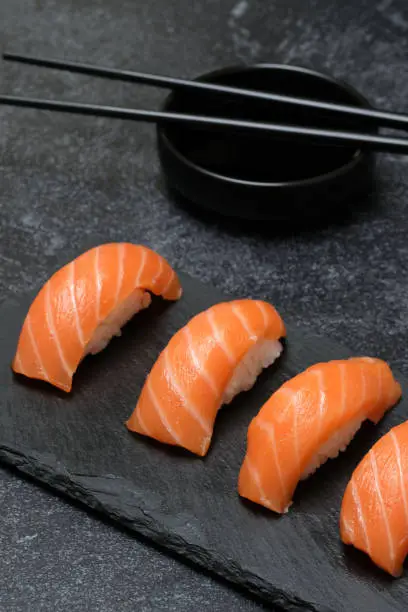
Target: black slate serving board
(78,445)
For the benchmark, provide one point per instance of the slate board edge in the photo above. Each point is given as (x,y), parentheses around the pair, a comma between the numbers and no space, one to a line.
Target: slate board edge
(147,526)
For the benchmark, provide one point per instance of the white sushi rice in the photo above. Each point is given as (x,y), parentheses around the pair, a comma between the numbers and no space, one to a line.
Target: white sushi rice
(333,446)
(112,325)
(260,356)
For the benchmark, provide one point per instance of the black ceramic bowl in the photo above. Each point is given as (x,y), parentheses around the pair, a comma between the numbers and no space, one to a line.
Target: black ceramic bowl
(253,177)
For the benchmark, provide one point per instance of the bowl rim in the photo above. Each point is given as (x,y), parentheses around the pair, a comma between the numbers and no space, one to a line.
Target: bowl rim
(357,156)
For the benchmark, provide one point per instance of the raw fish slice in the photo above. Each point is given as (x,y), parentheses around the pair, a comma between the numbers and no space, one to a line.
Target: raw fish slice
(84,304)
(374,512)
(310,418)
(218,354)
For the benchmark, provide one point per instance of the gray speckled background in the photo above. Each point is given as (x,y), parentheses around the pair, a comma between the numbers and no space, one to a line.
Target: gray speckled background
(64,177)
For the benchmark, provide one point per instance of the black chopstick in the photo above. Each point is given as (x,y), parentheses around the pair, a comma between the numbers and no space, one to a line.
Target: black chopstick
(299,134)
(365,116)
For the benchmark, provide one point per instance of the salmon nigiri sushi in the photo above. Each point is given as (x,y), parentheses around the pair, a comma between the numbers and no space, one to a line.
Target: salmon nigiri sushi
(84,304)
(374,511)
(310,418)
(218,354)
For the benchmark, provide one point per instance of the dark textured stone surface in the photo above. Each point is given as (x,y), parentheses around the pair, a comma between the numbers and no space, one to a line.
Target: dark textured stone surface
(188,505)
(63,177)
